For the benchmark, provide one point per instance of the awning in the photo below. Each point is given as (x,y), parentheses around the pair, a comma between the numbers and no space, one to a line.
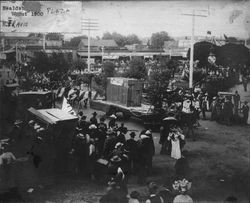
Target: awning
(110,57)
(91,54)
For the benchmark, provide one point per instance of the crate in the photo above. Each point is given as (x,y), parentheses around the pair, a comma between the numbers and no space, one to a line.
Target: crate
(124,91)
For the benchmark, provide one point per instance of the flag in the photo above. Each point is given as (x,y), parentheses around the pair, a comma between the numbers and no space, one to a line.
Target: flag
(67,107)
(209,32)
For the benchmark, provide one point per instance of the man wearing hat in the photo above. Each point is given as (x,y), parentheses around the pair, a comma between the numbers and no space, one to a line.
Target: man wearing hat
(236,102)
(109,143)
(204,107)
(93,119)
(245,111)
(79,152)
(121,137)
(102,125)
(84,125)
(213,109)
(131,146)
(123,129)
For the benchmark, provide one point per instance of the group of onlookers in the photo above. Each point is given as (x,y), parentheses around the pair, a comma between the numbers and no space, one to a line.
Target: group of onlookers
(229,109)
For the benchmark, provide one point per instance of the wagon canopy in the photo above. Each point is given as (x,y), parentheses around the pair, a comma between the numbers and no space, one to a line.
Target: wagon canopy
(52,116)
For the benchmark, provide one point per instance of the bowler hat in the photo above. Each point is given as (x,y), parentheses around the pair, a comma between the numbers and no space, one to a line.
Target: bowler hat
(132,134)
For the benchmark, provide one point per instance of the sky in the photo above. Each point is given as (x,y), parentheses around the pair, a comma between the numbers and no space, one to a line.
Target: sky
(143,18)
(146,17)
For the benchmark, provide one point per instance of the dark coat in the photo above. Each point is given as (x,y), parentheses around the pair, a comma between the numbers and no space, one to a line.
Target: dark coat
(121,138)
(131,146)
(109,145)
(93,120)
(111,123)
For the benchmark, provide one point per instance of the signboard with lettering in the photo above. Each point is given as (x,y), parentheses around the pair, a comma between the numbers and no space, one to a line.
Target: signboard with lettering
(41,16)
(116,81)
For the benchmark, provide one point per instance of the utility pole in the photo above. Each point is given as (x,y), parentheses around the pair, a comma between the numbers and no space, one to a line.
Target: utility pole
(102,52)
(17,58)
(89,25)
(1,33)
(44,41)
(191,61)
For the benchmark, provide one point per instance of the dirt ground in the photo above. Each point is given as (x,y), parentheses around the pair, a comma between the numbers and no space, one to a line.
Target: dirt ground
(219,162)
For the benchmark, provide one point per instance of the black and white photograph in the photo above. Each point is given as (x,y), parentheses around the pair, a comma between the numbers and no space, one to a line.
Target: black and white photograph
(125,101)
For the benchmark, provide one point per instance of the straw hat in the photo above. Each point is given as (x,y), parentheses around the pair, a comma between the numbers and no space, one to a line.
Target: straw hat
(113,116)
(119,144)
(92,126)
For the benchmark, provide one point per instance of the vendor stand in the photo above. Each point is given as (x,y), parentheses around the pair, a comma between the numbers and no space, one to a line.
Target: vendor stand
(58,133)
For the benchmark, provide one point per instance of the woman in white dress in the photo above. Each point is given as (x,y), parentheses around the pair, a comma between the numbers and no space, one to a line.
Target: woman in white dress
(177,142)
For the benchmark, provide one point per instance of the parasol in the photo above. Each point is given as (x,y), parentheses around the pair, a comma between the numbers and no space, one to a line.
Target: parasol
(170,118)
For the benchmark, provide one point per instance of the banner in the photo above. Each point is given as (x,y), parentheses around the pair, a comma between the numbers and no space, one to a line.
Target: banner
(41,16)
(116,81)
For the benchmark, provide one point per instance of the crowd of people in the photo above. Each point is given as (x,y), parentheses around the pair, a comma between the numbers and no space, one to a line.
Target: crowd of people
(101,151)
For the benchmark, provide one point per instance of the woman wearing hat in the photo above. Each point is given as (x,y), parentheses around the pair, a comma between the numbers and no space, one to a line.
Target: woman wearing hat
(153,196)
(182,187)
(144,157)
(112,121)
(177,141)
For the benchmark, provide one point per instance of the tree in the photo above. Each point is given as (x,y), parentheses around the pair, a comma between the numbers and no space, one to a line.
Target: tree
(157,84)
(132,39)
(102,79)
(109,69)
(58,62)
(137,69)
(79,65)
(107,35)
(122,40)
(74,42)
(233,54)
(119,39)
(202,51)
(157,39)
(54,36)
(41,61)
